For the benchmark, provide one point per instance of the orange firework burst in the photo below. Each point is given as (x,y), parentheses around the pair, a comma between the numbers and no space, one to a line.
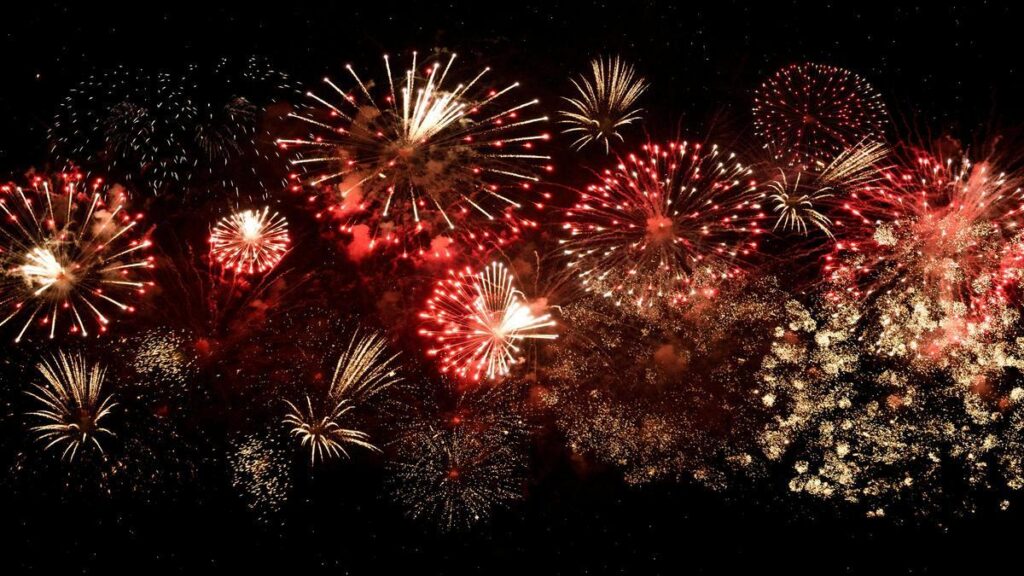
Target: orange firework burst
(808,113)
(479,320)
(665,224)
(421,154)
(71,253)
(250,241)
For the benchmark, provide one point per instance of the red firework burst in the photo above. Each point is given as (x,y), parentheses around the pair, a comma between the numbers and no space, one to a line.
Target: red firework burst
(664,225)
(809,113)
(71,253)
(250,241)
(479,321)
(421,156)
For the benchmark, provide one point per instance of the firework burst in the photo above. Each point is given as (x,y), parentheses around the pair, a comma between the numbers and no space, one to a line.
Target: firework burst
(72,252)
(479,321)
(250,241)
(421,154)
(73,405)
(605,102)
(664,225)
(363,371)
(809,113)
(466,457)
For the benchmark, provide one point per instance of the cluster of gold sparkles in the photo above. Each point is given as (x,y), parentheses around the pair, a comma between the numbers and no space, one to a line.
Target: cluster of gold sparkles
(862,423)
(605,102)
(666,398)
(164,355)
(72,405)
(319,423)
(259,471)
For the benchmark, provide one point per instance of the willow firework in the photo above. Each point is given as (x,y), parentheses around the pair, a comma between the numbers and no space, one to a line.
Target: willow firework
(663,225)
(605,101)
(808,113)
(72,403)
(422,153)
(479,321)
(72,253)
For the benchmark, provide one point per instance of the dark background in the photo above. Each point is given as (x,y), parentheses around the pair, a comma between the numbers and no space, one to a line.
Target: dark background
(940,68)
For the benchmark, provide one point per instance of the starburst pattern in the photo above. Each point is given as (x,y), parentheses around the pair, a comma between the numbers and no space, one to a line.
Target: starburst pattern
(604,103)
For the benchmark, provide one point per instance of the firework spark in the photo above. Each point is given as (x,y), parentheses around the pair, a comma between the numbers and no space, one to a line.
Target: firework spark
(421,156)
(809,113)
(250,241)
(363,371)
(664,225)
(604,103)
(73,405)
(479,321)
(72,252)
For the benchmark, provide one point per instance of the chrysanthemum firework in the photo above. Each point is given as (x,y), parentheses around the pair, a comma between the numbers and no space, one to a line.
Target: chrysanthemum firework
(665,224)
(479,321)
(250,241)
(605,101)
(364,370)
(422,154)
(71,253)
(808,113)
(465,457)
(934,245)
(73,405)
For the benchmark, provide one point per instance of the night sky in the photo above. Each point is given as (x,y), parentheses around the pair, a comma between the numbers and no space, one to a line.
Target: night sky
(941,69)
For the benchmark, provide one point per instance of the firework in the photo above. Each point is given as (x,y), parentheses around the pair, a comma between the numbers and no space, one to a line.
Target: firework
(604,103)
(479,321)
(160,130)
(803,201)
(321,431)
(421,153)
(866,427)
(934,241)
(363,371)
(73,405)
(466,457)
(72,253)
(259,469)
(809,113)
(250,241)
(664,225)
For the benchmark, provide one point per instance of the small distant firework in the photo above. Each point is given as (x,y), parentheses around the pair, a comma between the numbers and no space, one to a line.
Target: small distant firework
(363,371)
(604,103)
(259,469)
(73,405)
(321,431)
(250,241)
(464,459)
(420,156)
(159,130)
(71,251)
(163,355)
(664,225)
(479,321)
(804,201)
(809,113)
